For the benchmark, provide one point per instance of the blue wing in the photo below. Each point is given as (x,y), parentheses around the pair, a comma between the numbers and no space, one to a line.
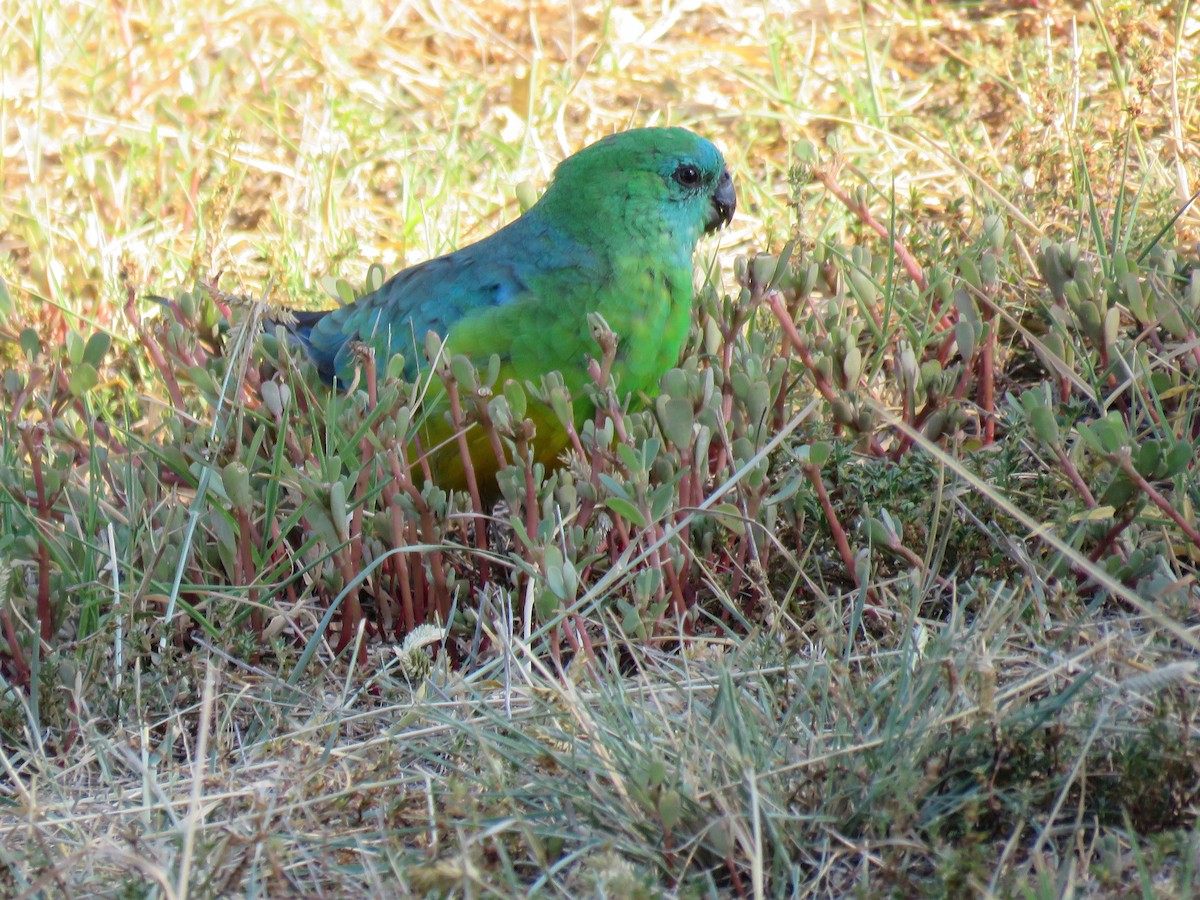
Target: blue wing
(432,296)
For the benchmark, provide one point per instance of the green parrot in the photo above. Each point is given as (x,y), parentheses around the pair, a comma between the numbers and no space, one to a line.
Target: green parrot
(613,234)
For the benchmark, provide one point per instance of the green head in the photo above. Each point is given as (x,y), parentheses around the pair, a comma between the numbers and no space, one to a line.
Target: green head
(648,182)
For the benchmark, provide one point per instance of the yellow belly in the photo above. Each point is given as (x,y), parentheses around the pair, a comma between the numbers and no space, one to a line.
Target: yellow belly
(441,447)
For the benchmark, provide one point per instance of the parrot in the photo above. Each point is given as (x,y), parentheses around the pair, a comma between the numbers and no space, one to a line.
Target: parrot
(614,233)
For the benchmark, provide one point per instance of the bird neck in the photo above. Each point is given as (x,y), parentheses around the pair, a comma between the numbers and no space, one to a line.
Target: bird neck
(615,223)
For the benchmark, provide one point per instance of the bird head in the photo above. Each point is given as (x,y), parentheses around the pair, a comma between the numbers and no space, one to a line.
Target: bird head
(649,180)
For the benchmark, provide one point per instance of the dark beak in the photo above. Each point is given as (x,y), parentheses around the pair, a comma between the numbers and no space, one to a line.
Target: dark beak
(724,202)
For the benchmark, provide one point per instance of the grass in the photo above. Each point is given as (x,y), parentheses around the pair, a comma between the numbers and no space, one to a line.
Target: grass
(891,591)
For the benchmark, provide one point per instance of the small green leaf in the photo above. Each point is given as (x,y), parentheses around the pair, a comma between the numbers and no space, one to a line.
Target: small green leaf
(670,808)
(376,275)
(237,485)
(7,307)
(526,195)
(74,347)
(337,510)
(661,499)
(762,268)
(879,534)
(655,772)
(1090,322)
(433,346)
(1119,492)
(676,416)
(1135,300)
(994,231)
(863,287)
(729,516)
(631,619)
(83,378)
(630,458)
(1147,458)
(30,343)
(1045,426)
(970,273)
(1178,458)
(805,152)
(464,372)
(819,453)
(271,398)
(395,366)
(851,370)
(560,402)
(547,605)
(516,397)
(96,348)
(1110,327)
(626,510)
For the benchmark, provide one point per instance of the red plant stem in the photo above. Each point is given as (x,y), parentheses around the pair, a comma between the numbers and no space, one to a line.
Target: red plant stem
(556,649)
(1109,537)
(987,387)
(1076,479)
(568,631)
(739,565)
(621,528)
(585,642)
(356,517)
(154,351)
(412,586)
(1125,461)
(685,493)
(595,467)
(835,526)
(775,301)
(459,420)
(245,568)
(398,538)
(14,648)
(908,556)
(1064,388)
(739,889)
(352,612)
(614,413)
(678,603)
(218,296)
(421,457)
(36,377)
(428,532)
(277,539)
(531,508)
(825,176)
(728,337)
(464,447)
(943,353)
(573,436)
(492,434)
(33,438)
(367,460)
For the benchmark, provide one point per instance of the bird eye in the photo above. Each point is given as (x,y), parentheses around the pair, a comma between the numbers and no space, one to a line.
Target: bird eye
(688,175)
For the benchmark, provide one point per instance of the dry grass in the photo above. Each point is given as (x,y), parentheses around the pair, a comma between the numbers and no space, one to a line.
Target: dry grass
(994,697)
